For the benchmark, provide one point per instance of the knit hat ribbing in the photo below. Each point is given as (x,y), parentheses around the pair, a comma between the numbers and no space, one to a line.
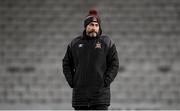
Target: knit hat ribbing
(92,17)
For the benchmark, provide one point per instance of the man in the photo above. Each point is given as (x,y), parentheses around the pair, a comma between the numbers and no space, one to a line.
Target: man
(90,65)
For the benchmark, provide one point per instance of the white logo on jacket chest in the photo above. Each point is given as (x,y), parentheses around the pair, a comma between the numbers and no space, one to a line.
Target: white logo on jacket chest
(80,45)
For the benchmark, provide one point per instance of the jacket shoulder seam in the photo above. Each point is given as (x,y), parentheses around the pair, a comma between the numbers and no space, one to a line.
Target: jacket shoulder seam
(107,40)
(74,41)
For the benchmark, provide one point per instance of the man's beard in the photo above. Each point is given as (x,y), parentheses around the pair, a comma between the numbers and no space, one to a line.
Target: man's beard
(92,33)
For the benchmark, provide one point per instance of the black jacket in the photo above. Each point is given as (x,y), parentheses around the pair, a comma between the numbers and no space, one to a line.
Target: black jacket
(90,65)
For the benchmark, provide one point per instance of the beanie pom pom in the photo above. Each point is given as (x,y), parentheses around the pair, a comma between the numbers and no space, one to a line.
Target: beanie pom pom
(93,12)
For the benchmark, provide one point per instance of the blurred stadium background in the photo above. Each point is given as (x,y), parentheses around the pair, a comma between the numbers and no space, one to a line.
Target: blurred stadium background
(34,35)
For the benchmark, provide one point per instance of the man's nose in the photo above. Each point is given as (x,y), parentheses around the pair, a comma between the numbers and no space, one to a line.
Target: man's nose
(94,28)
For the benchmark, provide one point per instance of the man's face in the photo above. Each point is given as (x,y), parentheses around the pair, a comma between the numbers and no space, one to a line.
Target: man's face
(92,29)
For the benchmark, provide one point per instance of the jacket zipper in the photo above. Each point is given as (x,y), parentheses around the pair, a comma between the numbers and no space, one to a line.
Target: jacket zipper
(89,45)
(88,58)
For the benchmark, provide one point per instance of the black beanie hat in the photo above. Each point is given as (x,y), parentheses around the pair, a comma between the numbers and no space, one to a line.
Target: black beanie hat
(92,17)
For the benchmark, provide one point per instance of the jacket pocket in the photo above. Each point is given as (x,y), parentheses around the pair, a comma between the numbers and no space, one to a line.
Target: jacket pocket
(101,80)
(75,79)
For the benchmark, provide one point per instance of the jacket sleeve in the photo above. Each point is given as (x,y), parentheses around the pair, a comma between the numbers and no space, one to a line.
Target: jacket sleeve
(68,69)
(112,65)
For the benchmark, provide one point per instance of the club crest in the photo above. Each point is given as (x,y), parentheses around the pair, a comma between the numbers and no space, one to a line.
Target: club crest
(98,45)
